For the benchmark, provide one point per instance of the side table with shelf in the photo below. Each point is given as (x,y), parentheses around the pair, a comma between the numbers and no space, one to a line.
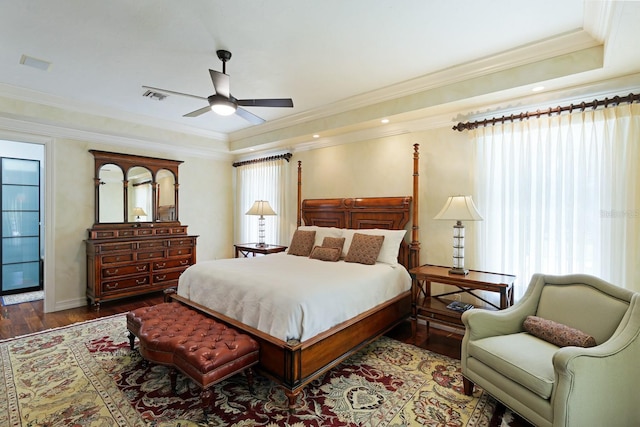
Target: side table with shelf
(244,249)
(433,307)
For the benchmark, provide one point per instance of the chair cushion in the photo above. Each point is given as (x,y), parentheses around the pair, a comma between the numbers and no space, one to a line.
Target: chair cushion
(532,368)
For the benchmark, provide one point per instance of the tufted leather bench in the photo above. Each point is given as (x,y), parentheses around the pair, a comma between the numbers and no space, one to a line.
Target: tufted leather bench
(202,349)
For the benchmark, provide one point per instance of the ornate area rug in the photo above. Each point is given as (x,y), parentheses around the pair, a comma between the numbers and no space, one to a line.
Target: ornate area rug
(86,375)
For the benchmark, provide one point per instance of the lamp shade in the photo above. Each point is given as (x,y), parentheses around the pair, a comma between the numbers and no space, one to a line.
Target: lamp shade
(459,208)
(260,207)
(138,211)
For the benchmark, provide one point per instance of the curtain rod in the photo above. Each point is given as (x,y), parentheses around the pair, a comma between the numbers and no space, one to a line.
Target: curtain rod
(526,115)
(263,159)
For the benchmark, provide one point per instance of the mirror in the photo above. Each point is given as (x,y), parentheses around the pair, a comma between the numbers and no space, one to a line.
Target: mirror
(112,192)
(135,189)
(166,195)
(139,195)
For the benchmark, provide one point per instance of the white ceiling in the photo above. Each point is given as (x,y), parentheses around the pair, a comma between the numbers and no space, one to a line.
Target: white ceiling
(344,63)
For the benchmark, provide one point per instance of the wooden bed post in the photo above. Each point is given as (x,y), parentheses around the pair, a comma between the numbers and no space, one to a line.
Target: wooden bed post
(299,219)
(414,248)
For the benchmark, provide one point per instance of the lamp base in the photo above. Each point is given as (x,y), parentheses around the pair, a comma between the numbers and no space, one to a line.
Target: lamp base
(261,245)
(457,270)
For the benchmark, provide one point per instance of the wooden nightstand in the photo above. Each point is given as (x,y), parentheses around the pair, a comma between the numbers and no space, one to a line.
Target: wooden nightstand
(245,249)
(433,308)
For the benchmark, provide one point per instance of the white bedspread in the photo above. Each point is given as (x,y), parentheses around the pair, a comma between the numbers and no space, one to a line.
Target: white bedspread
(291,297)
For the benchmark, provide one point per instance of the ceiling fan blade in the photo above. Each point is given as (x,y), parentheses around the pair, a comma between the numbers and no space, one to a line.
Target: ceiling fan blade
(173,92)
(276,102)
(220,83)
(198,112)
(250,117)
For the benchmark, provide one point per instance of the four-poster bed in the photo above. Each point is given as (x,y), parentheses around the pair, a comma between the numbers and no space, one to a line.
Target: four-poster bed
(292,363)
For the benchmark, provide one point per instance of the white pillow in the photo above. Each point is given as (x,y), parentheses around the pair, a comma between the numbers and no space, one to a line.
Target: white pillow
(322,232)
(390,246)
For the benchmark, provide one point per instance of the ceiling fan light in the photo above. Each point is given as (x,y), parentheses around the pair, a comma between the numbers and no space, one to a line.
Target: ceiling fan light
(222,106)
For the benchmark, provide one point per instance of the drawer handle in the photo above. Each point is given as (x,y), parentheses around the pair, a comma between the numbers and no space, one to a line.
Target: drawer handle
(141,268)
(185,262)
(112,285)
(112,272)
(180,252)
(181,242)
(160,278)
(141,281)
(117,258)
(161,265)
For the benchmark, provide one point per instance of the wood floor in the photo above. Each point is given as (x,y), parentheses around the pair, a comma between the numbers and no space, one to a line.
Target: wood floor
(28,317)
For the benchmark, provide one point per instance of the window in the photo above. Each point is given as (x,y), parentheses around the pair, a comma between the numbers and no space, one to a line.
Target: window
(561,195)
(261,180)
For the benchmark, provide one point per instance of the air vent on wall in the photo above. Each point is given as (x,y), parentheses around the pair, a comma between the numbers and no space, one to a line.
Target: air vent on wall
(154,95)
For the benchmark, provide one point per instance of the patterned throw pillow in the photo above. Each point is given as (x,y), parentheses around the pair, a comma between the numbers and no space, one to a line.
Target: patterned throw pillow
(557,333)
(333,242)
(302,243)
(364,249)
(326,254)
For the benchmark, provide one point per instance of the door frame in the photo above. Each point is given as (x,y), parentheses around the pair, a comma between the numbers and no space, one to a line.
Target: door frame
(48,214)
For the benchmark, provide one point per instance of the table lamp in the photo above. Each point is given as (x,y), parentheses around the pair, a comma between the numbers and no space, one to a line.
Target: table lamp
(138,212)
(261,208)
(459,208)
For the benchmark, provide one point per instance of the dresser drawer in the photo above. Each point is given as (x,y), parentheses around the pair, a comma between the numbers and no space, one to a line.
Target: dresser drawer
(116,247)
(147,244)
(125,270)
(171,263)
(129,232)
(116,285)
(111,259)
(144,232)
(185,241)
(164,277)
(180,251)
(150,255)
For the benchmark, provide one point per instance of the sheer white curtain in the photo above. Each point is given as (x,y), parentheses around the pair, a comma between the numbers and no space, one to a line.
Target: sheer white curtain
(561,195)
(261,181)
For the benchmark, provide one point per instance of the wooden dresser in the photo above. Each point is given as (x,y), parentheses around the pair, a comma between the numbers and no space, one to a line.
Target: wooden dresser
(136,258)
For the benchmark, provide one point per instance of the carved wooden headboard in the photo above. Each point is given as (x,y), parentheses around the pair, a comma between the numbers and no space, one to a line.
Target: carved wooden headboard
(368,212)
(390,213)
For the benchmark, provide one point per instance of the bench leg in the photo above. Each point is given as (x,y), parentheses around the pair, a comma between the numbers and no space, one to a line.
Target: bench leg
(132,339)
(173,378)
(206,396)
(249,374)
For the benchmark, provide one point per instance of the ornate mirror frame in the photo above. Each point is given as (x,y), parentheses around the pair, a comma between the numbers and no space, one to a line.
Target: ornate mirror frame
(159,168)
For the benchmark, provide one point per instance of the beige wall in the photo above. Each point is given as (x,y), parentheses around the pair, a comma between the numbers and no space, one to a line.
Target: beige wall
(384,167)
(378,167)
(205,206)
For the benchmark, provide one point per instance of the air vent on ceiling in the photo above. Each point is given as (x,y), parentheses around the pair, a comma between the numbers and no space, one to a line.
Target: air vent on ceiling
(154,95)
(35,63)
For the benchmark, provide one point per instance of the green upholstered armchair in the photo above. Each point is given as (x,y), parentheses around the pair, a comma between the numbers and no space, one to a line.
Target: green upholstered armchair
(560,386)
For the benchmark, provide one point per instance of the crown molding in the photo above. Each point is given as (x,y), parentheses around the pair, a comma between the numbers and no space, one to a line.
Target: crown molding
(35,97)
(46,130)
(561,44)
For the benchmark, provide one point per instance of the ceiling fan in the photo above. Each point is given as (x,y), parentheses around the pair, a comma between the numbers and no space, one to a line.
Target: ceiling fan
(222,102)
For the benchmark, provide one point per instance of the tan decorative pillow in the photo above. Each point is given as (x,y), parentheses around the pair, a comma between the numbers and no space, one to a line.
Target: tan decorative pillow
(333,242)
(364,249)
(557,333)
(302,243)
(326,254)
